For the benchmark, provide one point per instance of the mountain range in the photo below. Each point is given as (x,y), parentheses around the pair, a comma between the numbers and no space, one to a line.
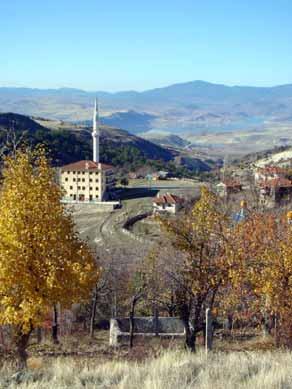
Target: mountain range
(187,107)
(211,118)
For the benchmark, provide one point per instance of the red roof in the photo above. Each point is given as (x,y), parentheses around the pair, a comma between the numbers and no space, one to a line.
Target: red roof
(231,184)
(86,165)
(168,199)
(277,182)
(272,170)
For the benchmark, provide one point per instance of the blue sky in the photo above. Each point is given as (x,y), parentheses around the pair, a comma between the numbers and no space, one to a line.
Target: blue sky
(122,45)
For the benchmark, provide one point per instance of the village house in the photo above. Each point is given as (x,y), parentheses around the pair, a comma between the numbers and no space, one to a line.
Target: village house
(275,191)
(227,187)
(269,173)
(132,176)
(161,175)
(167,203)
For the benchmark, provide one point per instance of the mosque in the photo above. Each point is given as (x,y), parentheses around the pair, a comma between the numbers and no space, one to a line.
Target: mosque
(88,180)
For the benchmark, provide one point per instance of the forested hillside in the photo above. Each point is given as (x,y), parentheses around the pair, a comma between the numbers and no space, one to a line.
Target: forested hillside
(67,143)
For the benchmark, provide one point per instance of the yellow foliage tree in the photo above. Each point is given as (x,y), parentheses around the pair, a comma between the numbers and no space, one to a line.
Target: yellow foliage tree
(202,239)
(264,257)
(42,260)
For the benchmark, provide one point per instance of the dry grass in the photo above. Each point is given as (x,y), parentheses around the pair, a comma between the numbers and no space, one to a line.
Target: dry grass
(172,369)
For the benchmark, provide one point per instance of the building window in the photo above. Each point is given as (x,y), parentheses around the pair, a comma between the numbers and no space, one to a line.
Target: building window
(74,179)
(90,197)
(96,180)
(78,172)
(90,172)
(83,187)
(96,188)
(74,197)
(90,179)
(66,179)
(83,179)
(90,188)
(71,195)
(96,196)
(79,187)
(83,172)
(78,179)
(74,172)
(71,187)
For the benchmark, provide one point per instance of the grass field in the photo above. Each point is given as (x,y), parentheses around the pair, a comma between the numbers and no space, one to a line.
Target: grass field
(171,369)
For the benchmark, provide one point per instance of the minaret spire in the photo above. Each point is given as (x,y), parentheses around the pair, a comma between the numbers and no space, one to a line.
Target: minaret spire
(96,132)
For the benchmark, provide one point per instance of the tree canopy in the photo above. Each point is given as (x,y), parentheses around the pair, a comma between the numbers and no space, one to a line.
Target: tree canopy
(42,259)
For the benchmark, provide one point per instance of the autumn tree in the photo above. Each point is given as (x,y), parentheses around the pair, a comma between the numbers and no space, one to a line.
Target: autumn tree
(200,239)
(137,291)
(160,287)
(264,257)
(43,262)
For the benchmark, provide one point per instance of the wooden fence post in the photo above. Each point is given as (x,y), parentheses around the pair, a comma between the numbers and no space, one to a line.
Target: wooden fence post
(209,331)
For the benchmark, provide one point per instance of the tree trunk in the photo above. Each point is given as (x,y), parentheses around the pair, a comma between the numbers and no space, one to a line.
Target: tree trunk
(190,334)
(230,322)
(265,325)
(93,313)
(156,320)
(55,325)
(21,342)
(39,335)
(190,339)
(277,330)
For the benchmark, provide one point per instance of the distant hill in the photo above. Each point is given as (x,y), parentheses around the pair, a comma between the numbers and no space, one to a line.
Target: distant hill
(278,156)
(165,139)
(180,108)
(68,142)
(135,121)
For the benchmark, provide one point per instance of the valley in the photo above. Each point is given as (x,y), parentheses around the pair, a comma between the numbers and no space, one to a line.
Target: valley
(195,116)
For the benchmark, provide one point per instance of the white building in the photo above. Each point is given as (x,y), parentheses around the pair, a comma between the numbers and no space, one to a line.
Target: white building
(167,203)
(88,181)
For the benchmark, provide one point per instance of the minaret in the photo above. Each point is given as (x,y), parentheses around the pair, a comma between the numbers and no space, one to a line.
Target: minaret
(95,132)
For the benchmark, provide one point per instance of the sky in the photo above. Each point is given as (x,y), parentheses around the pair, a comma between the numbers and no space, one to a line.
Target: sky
(115,45)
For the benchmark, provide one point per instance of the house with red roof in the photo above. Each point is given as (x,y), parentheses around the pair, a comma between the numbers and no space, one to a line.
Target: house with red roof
(229,186)
(269,173)
(275,191)
(167,203)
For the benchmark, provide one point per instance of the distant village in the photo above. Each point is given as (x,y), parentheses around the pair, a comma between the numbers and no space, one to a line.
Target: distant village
(272,184)
(93,182)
